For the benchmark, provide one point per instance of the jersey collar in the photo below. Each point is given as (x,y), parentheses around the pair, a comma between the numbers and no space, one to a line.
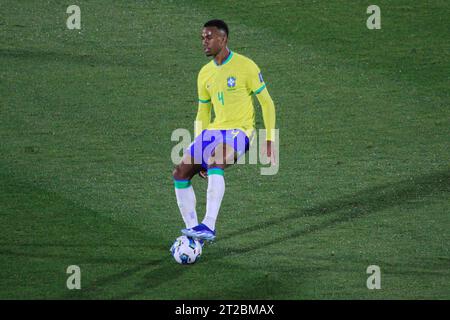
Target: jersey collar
(226,60)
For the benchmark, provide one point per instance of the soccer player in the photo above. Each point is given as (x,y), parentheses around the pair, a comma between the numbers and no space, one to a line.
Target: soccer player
(225,84)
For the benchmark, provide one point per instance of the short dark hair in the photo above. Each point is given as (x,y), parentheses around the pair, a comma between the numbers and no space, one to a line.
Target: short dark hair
(219,24)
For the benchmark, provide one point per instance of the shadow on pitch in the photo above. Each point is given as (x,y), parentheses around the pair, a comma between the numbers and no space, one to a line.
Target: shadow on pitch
(347,208)
(360,204)
(350,207)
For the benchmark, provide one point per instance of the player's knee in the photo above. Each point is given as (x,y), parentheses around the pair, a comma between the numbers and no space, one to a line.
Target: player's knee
(217,164)
(177,173)
(180,174)
(210,161)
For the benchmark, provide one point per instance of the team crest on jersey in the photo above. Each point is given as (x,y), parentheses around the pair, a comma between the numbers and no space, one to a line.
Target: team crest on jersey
(231,82)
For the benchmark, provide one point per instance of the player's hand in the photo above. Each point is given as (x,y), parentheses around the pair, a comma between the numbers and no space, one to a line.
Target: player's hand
(270,151)
(203,174)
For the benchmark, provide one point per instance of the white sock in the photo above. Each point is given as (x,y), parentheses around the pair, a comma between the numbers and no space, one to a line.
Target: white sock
(214,196)
(186,203)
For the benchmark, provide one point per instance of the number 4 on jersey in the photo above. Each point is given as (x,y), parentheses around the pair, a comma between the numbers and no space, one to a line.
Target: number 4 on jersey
(220,97)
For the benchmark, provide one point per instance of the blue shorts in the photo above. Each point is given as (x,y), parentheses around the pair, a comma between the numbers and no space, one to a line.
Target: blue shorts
(203,146)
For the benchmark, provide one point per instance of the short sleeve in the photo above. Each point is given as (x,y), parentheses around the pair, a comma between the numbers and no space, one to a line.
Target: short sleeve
(256,81)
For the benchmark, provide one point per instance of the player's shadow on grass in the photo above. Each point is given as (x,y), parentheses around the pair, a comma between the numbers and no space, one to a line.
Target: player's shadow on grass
(145,276)
(350,207)
(360,204)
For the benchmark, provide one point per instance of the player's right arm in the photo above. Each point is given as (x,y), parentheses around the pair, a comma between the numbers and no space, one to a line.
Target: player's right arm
(204,106)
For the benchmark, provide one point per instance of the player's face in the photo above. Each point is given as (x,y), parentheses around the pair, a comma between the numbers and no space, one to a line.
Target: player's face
(213,40)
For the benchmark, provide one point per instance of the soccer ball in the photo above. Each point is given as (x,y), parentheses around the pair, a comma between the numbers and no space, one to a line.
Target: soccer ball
(186,250)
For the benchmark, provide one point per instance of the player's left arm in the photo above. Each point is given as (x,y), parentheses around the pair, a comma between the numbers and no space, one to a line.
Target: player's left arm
(258,86)
(268,113)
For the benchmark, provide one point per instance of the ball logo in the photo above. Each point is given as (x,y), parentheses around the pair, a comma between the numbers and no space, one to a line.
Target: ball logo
(186,250)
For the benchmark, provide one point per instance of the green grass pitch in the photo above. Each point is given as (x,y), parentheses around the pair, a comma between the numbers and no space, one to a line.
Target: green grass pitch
(86,118)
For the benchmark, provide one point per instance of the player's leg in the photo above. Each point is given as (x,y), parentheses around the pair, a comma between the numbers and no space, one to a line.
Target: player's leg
(190,165)
(224,156)
(182,175)
(186,169)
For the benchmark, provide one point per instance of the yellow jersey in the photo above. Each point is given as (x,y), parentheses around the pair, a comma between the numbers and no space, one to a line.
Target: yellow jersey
(228,89)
